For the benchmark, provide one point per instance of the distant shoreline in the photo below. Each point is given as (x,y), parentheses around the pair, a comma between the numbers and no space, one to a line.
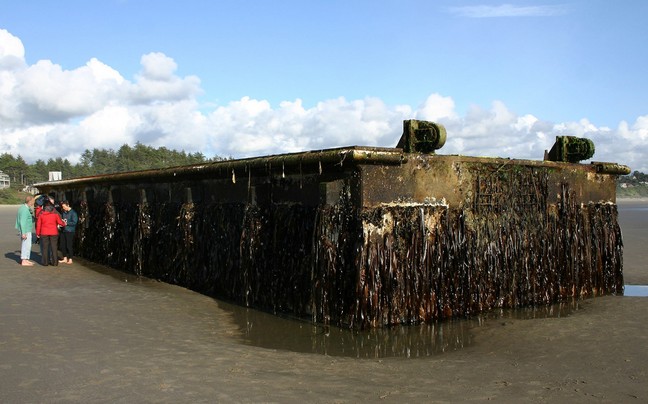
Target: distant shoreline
(628,200)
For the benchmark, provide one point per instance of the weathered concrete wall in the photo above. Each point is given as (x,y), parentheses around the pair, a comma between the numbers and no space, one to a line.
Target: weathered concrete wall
(451,236)
(467,182)
(364,245)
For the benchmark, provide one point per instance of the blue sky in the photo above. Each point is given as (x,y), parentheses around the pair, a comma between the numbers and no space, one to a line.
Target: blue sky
(290,75)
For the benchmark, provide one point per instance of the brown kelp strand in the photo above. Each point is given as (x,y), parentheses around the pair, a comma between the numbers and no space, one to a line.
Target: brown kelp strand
(334,276)
(242,253)
(450,267)
(373,267)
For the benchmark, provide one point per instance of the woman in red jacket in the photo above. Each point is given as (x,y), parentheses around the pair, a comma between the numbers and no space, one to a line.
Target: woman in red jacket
(47,228)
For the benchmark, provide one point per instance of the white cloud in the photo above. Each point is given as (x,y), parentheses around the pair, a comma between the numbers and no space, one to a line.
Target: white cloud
(158,66)
(250,127)
(437,107)
(12,51)
(47,112)
(12,57)
(108,127)
(157,81)
(508,10)
(48,93)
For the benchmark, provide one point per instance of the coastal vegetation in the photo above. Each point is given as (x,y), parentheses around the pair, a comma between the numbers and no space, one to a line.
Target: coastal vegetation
(634,185)
(92,162)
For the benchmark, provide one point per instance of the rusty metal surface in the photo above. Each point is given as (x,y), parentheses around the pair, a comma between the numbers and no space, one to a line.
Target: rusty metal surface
(611,168)
(571,149)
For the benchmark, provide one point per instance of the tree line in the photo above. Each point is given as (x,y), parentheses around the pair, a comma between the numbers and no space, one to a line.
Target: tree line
(97,161)
(633,185)
(636,178)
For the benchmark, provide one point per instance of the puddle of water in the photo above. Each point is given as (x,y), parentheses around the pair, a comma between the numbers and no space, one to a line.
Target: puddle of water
(269,331)
(635,290)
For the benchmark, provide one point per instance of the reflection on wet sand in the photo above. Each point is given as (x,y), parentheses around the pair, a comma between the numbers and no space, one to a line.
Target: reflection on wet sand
(265,330)
(269,331)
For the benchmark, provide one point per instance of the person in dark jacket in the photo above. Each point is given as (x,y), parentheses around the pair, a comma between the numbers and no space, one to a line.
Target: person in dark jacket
(47,229)
(71,219)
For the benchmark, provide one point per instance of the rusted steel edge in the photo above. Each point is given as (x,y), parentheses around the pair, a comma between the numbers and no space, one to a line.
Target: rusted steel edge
(291,162)
(611,168)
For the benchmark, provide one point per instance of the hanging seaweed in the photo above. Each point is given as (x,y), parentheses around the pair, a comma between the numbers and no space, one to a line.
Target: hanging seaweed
(309,246)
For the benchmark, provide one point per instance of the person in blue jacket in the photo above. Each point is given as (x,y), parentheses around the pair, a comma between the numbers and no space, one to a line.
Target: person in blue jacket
(70,218)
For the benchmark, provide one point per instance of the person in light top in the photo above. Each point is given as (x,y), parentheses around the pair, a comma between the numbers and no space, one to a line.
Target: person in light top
(25,226)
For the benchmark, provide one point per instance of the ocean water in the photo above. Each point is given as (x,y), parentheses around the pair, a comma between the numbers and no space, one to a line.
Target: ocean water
(633,219)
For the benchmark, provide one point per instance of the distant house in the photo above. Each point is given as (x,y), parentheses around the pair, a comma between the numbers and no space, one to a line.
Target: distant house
(31,190)
(5,182)
(55,176)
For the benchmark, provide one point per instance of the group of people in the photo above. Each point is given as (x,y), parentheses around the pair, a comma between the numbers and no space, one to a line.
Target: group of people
(49,225)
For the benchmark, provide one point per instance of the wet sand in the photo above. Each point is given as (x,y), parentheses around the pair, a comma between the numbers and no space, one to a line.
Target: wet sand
(81,333)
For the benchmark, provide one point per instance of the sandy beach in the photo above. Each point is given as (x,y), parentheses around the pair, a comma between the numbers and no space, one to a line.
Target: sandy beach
(80,333)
